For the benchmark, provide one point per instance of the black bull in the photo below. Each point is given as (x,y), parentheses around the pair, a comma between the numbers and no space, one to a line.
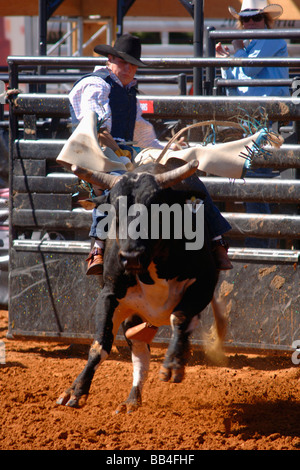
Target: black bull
(157,281)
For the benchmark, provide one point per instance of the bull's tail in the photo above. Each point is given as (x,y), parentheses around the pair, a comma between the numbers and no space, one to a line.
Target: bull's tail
(216,336)
(220,319)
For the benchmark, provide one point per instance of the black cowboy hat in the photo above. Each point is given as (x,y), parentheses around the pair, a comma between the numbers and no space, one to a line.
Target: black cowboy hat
(126,47)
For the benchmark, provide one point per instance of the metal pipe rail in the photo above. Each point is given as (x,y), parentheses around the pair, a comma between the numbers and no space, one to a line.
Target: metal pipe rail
(214,107)
(254,34)
(272,190)
(164,62)
(181,80)
(175,107)
(266,226)
(259,225)
(71,78)
(253,82)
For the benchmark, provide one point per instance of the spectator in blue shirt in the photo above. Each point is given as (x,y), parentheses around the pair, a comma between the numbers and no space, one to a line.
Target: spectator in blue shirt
(256,14)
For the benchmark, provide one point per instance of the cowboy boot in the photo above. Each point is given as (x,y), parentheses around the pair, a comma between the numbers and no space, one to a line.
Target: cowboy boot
(95,261)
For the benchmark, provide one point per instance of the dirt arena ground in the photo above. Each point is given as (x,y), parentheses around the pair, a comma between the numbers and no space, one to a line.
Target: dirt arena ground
(250,403)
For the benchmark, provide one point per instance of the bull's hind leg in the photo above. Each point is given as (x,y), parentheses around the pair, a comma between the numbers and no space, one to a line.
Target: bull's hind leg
(179,348)
(77,394)
(140,354)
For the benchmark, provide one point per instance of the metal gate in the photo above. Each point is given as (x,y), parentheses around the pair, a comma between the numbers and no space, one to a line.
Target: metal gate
(49,295)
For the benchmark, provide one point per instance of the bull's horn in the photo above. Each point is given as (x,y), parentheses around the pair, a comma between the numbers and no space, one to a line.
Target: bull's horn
(169,178)
(97,178)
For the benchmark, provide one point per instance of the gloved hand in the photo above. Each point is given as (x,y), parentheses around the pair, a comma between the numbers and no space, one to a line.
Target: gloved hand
(123,153)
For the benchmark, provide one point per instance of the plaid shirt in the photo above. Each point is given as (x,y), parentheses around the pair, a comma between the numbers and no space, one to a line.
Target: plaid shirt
(92,94)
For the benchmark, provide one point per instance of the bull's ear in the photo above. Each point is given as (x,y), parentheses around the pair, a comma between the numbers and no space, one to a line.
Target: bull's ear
(90,204)
(87,204)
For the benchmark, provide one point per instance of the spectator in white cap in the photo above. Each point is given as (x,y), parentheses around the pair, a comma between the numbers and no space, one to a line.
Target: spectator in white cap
(256,14)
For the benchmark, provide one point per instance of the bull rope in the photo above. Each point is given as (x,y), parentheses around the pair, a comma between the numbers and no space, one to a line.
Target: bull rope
(270,137)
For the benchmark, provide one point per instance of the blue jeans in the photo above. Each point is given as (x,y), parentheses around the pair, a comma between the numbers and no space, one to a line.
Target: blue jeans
(259,208)
(216,223)
(97,217)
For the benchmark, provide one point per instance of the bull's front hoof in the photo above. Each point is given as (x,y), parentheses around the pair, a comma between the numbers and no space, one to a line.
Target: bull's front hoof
(178,375)
(70,400)
(173,375)
(127,407)
(165,374)
(133,402)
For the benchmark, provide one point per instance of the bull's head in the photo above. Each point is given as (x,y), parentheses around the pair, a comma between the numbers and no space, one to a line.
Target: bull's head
(142,188)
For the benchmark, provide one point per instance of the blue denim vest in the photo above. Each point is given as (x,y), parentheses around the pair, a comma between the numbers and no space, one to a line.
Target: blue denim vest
(122,102)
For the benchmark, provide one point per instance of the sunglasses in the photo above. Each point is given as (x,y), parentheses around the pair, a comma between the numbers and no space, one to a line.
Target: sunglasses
(256,18)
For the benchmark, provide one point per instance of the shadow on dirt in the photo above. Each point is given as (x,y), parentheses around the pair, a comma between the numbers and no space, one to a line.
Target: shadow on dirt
(269,418)
(121,353)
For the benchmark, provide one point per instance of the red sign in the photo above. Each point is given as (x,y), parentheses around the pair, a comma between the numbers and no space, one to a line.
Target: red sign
(147,106)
